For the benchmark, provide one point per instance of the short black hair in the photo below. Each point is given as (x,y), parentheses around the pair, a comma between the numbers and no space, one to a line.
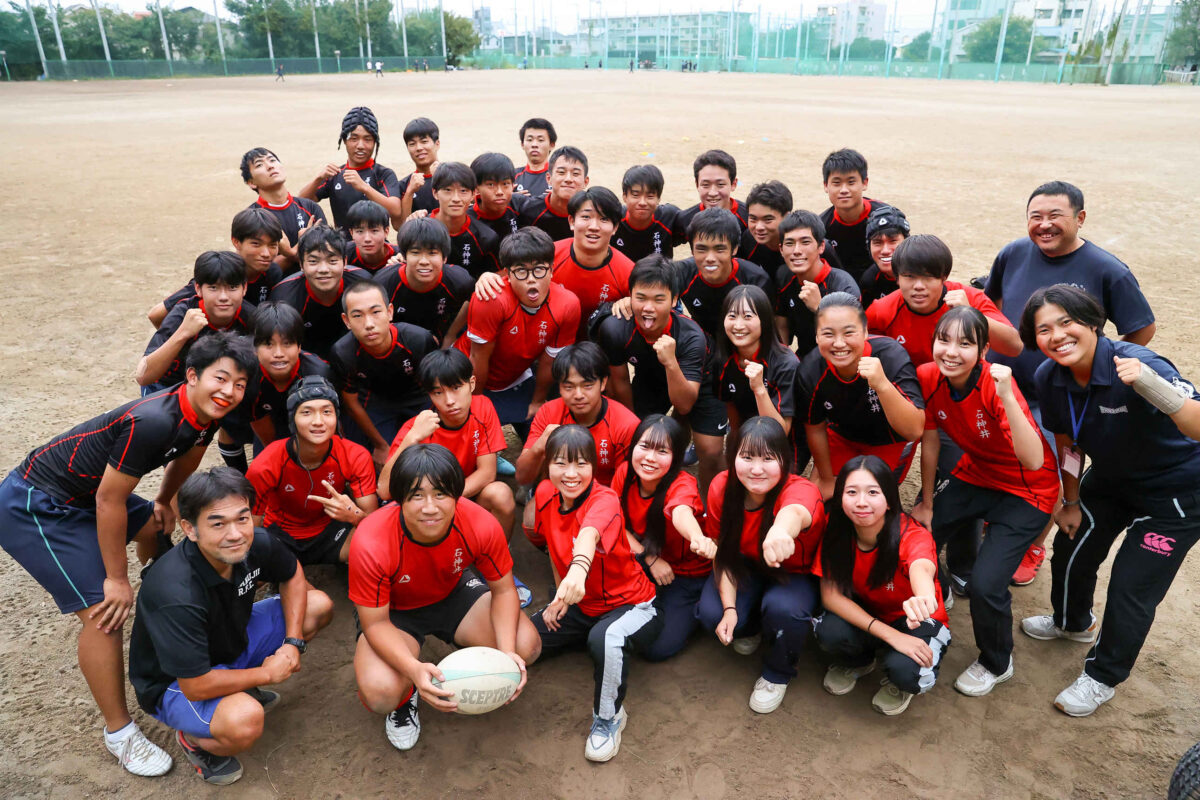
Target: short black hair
(844,161)
(421,461)
(255,221)
(367,214)
(274,317)
(715,223)
(250,157)
(321,239)
(772,194)
(923,254)
(539,124)
(222,344)
(571,154)
(586,358)
(448,367)
(1073,193)
(1078,305)
(219,266)
(425,233)
(527,246)
(654,270)
(715,158)
(574,441)
(421,126)
(971,323)
(367,285)
(205,487)
(795,220)
(451,172)
(842,300)
(648,176)
(493,167)
(603,200)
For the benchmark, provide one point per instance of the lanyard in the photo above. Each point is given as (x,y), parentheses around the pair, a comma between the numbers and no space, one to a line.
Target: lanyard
(1077,422)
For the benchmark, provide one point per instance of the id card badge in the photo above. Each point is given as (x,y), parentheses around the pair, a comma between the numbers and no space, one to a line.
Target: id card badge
(1072,461)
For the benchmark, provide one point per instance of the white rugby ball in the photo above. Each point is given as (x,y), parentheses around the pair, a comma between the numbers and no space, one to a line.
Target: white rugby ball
(482,678)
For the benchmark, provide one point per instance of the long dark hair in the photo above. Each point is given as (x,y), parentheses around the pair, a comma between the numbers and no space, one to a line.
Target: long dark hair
(758,302)
(758,436)
(659,429)
(840,543)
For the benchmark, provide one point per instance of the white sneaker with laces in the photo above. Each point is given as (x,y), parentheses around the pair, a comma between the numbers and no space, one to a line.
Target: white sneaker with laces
(746,645)
(766,696)
(403,726)
(139,755)
(842,680)
(1043,627)
(1083,696)
(977,680)
(604,739)
(891,700)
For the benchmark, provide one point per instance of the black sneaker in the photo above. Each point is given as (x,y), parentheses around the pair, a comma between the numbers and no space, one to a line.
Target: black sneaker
(218,770)
(265,697)
(980,281)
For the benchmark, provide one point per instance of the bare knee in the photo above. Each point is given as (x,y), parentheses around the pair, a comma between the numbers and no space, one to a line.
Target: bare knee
(238,722)
(529,642)
(498,498)
(318,613)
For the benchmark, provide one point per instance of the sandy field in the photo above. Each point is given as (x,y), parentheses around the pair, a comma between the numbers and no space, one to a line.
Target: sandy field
(114,187)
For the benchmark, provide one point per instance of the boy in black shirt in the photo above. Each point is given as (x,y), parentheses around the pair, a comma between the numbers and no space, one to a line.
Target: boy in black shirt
(646,226)
(496,205)
(766,206)
(421,137)
(716,179)
(473,245)
(845,176)
(538,139)
(278,330)
(712,271)
(887,227)
(424,290)
(263,173)
(370,249)
(568,174)
(804,279)
(360,178)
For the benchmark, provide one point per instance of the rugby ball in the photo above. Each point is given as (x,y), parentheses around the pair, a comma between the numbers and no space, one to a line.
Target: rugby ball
(482,678)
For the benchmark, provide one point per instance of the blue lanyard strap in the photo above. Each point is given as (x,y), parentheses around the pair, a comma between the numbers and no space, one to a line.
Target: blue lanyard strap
(1077,422)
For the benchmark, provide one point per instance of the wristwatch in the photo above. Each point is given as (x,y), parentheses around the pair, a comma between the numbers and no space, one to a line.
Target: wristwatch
(299,644)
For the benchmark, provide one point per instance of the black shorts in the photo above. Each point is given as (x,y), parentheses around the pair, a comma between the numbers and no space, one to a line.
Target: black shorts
(324,548)
(440,619)
(708,416)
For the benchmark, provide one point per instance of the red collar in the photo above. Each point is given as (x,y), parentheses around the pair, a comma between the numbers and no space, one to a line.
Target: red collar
(237,315)
(529,171)
(404,280)
(370,163)
(666,331)
(185,406)
(552,211)
(315,299)
(437,212)
(632,227)
(291,378)
(262,201)
(732,274)
(479,211)
(866,352)
(395,341)
(866,213)
(824,273)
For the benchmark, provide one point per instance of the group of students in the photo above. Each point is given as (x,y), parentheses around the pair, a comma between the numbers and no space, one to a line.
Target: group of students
(374,382)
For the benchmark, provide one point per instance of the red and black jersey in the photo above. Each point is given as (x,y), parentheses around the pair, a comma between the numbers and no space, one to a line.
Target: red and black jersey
(355,258)
(850,238)
(390,568)
(605,283)
(520,336)
(612,432)
(616,578)
(133,439)
(886,602)
(509,221)
(796,491)
(282,485)
(422,199)
(637,243)
(390,377)
(341,195)
(263,399)
(685,218)
(891,316)
(750,250)
(852,408)
(243,323)
(539,214)
(801,321)
(874,284)
(475,247)
(977,423)
(480,435)
(703,300)
(294,215)
(531,182)
(779,377)
(624,343)
(258,288)
(676,550)
(322,323)
(433,309)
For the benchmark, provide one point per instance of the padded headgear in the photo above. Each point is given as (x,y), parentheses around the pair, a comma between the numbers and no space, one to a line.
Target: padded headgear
(360,115)
(886,218)
(314,387)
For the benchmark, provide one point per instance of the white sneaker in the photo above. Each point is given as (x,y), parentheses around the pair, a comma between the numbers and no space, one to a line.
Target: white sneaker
(139,755)
(1083,696)
(841,680)
(890,699)
(977,680)
(766,696)
(403,726)
(1043,627)
(746,645)
(604,739)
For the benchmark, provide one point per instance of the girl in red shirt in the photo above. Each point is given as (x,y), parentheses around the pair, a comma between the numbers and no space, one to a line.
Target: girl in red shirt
(767,523)
(662,521)
(604,600)
(878,570)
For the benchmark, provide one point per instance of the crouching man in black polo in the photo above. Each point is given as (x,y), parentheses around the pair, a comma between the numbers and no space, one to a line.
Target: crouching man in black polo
(201,646)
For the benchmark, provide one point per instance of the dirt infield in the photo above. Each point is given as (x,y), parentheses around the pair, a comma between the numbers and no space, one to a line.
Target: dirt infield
(114,187)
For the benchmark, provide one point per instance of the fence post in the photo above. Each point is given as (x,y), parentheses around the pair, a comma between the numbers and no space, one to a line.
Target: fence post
(162,26)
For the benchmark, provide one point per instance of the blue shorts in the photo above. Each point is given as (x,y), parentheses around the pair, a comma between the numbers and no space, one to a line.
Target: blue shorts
(57,544)
(512,404)
(265,631)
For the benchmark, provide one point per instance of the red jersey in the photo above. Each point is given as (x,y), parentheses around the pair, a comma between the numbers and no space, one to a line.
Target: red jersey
(615,578)
(796,491)
(282,485)
(887,602)
(520,336)
(979,425)
(612,431)
(480,435)
(891,316)
(683,492)
(606,283)
(390,568)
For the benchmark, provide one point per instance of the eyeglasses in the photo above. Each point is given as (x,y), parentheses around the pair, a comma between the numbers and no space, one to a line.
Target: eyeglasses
(523,273)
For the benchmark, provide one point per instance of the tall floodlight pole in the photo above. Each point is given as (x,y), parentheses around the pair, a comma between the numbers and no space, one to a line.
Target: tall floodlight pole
(1003,34)
(358,30)
(367,14)
(533,18)
(270,44)
(316,36)
(37,37)
(442,19)
(162,26)
(220,40)
(799,34)
(404,33)
(887,72)
(62,51)
(103,39)
(945,45)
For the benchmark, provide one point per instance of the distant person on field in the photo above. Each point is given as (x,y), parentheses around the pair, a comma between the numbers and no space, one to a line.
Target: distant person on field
(379,69)
(279,74)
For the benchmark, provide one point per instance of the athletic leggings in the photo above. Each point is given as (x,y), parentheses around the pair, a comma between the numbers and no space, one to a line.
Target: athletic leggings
(851,646)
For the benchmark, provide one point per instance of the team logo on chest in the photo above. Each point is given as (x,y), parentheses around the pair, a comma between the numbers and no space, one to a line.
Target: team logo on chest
(604,290)
(247,584)
(981,425)
(543,331)
(458,560)
(604,452)
(873,401)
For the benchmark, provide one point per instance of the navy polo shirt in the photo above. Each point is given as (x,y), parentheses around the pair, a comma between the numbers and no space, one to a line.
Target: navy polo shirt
(1125,437)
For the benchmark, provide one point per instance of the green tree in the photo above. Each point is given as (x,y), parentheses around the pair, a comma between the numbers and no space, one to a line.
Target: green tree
(921,48)
(867,49)
(980,44)
(1183,43)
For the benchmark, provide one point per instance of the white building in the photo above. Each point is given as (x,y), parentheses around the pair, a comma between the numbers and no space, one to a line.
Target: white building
(848,21)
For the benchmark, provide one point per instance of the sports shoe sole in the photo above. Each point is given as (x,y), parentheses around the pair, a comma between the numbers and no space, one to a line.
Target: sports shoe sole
(1015,582)
(214,780)
(892,712)
(616,747)
(1077,714)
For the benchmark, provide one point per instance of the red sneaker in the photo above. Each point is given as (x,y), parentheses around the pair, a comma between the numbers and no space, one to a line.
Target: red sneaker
(1030,563)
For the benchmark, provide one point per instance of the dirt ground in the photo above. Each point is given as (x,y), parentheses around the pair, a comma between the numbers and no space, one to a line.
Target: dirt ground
(114,187)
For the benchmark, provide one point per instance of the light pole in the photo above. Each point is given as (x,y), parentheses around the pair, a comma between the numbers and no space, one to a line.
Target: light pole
(4,58)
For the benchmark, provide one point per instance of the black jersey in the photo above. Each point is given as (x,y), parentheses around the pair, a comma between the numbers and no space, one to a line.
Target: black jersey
(133,439)
(703,300)
(354,258)
(258,288)
(434,309)
(534,184)
(684,218)
(322,323)
(507,223)
(539,214)
(851,408)
(765,257)
(624,343)
(874,284)
(422,199)
(656,237)
(475,248)
(779,378)
(850,238)
(293,215)
(788,305)
(243,323)
(391,377)
(341,195)
(264,400)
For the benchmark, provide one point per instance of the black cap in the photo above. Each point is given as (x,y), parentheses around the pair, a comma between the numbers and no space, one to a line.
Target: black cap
(314,387)
(359,115)
(885,219)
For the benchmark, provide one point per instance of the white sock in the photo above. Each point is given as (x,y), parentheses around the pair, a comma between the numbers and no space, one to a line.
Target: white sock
(121,735)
